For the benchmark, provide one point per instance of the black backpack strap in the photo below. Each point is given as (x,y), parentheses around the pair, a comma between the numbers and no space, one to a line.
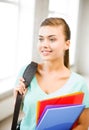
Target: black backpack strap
(16,111)
(27,75)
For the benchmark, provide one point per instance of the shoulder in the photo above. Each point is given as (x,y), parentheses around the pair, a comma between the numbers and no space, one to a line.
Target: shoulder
(77,77)
(80,81)
(30,66)
(22,69)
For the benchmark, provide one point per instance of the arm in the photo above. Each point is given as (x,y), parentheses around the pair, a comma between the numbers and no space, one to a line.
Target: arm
(83,122)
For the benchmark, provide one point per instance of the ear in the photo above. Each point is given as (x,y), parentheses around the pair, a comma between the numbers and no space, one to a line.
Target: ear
(67,44)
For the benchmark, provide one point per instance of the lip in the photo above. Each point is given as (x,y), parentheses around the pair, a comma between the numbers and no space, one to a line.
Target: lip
(46,52)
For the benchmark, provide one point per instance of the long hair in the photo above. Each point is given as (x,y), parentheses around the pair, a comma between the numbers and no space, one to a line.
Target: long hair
(66,30)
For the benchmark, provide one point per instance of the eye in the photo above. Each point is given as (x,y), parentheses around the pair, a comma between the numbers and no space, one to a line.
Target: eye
(41,39)
(52,39)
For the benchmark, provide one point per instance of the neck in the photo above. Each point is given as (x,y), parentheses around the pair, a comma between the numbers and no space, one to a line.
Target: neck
(53,66)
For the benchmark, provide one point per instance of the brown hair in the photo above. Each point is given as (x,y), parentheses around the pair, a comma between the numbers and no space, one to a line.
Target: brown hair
(66,30)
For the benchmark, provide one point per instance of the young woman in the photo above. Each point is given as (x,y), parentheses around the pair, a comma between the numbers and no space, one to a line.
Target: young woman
(53,77)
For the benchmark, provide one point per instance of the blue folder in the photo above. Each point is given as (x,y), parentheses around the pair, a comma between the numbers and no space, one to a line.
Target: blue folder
(59,118)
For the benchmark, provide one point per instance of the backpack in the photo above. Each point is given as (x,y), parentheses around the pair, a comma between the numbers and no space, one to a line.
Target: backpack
(27,75)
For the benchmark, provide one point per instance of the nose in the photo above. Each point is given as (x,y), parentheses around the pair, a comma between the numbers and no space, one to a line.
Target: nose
(45,43)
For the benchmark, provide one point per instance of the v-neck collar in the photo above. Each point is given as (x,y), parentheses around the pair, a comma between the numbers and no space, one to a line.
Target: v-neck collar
(57,91)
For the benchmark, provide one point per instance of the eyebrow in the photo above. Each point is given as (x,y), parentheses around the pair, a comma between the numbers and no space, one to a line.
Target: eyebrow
(48,36)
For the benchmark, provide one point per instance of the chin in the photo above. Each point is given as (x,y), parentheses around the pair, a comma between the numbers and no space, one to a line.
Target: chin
(46,59)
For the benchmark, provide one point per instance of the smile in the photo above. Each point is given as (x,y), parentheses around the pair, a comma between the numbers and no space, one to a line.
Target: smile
(46,53)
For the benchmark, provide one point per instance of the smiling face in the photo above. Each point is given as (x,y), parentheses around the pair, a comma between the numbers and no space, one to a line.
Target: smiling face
(52,43)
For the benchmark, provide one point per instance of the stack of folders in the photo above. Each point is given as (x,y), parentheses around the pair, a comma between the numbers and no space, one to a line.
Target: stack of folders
(59,113)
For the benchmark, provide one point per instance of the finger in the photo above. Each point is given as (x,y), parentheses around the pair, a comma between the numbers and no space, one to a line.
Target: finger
(22,85)
(22,79)
(21,82)
(24,92)
(19,89)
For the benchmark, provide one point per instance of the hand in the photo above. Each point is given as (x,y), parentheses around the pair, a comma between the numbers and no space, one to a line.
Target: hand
(81,127)
(21,88)
(83,122)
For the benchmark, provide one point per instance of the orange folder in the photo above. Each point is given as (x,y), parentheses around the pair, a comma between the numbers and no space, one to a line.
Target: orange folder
(74,98)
